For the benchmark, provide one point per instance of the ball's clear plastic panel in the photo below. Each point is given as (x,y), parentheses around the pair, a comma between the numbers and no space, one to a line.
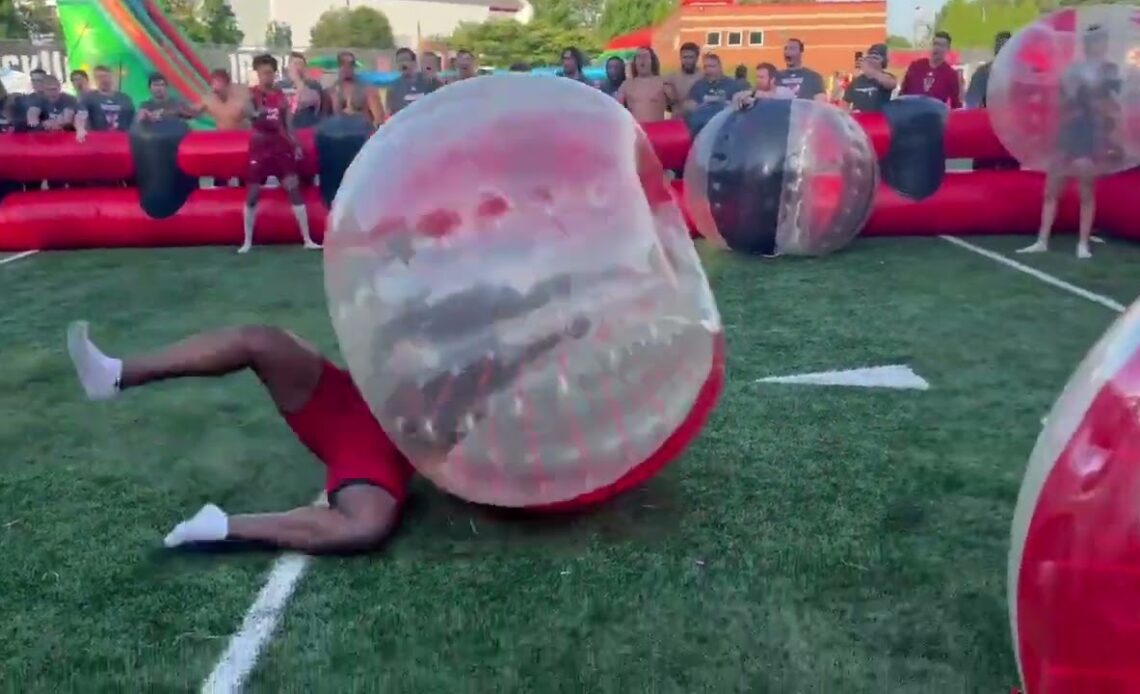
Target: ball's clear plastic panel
(696,176)
(1051,99)
(1061,444)
(514,291)
(831,175)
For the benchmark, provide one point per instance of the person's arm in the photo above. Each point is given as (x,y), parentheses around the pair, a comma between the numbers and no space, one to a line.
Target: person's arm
(376,108)
(976,91)
(881,77)
(908,82)
(820,88)
(847,101)
(621,96)
(33,111)
(81,116)
(672,98)
(694,98)
(126,115)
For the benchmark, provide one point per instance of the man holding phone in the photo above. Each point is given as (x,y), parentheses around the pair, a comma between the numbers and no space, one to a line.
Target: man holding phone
(872,86)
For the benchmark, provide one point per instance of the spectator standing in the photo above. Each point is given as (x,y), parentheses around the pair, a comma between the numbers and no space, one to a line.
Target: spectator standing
(804,82)
(646,93)
(161,106)
(52,110)
(573,62)
(934,76)
(615,76)
(980,80)
(307,101)
(465,65)
(80,82)
(103,108)
(411,85)
(766,88)
(7,115)
(716,89)
(350,97)
(873,86)
(682,81)
(432,66)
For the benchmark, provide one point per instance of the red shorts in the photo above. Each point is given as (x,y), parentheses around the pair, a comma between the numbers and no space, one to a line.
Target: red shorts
(337,426)
(271,156)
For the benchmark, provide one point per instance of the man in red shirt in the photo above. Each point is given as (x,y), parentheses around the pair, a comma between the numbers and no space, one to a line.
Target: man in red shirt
(273,150)
(933,76)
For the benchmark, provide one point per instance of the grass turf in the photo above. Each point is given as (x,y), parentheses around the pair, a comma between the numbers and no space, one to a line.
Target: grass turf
(811,540)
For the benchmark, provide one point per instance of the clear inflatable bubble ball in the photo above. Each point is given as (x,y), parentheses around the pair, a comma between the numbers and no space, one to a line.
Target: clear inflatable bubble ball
(517,296)
(1064,91)
(785,176)
(1074,560)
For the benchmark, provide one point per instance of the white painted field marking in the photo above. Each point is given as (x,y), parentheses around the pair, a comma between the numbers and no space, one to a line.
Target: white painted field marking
(1033,272)
(258,626)
(232,669)
(894,376)
(14,258)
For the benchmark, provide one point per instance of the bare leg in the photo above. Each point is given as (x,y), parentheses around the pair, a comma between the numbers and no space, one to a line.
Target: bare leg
(288,367)
(291,184)
(360,519)
(1086,178)
(1054,180)
(249,216)
(362,515)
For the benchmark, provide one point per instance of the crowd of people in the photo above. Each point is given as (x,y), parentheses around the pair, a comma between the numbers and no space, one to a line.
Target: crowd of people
(280,103)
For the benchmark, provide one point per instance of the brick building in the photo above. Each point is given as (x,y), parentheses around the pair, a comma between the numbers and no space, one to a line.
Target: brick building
(748,34)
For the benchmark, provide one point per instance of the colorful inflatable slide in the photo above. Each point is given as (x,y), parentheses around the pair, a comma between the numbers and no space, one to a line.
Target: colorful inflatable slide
(133,38)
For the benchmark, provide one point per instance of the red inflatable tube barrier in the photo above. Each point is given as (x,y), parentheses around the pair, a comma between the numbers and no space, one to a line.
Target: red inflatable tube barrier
(106,156)
(968,135)
(68,219)
(981,202)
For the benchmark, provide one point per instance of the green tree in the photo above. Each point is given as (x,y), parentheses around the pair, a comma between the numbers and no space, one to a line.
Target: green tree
(894,41)
(623,16)
(219,22)
(360,26)
(973,24)
(30,20)
(568,14)
(183,15)
(502,43)
(279,36)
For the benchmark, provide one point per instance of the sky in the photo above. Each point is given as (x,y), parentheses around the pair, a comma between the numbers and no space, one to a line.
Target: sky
(902,13)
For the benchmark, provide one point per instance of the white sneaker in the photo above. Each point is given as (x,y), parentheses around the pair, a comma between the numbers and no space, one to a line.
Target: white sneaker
(1038,246)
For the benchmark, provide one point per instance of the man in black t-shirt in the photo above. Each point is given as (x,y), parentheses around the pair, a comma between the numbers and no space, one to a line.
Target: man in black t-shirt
(872,87)
(412,84)
(160,105)
(804,82)
(53,110)
(103,108)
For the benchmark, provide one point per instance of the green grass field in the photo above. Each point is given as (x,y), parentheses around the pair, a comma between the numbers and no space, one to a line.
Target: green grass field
(812,540)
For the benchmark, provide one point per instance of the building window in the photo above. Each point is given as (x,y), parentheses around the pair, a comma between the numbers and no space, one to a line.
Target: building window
(755,38)
(735,38)
(712,38)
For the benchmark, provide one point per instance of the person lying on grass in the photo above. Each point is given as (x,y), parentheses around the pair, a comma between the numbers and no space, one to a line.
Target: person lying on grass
(366,476)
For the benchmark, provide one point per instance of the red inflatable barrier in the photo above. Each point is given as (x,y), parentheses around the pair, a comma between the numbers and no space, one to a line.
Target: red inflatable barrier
(67,219)
(982,202)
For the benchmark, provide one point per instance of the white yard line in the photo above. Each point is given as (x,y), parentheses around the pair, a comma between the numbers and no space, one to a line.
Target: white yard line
(14,258)
(257,628)
(245,647)
(1035,273)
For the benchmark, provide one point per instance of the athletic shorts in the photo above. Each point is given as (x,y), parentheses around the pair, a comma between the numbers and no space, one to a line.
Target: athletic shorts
(338,427)
(272,158)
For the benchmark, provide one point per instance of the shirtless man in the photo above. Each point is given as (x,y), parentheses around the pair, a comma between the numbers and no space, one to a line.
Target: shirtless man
(682,81)
(350,97)
(646,93)
(225,102)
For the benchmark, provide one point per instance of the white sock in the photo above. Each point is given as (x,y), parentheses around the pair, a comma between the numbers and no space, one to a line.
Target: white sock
(1083,251)
(209,524)
(303,222)
(249,214)
(98,373)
